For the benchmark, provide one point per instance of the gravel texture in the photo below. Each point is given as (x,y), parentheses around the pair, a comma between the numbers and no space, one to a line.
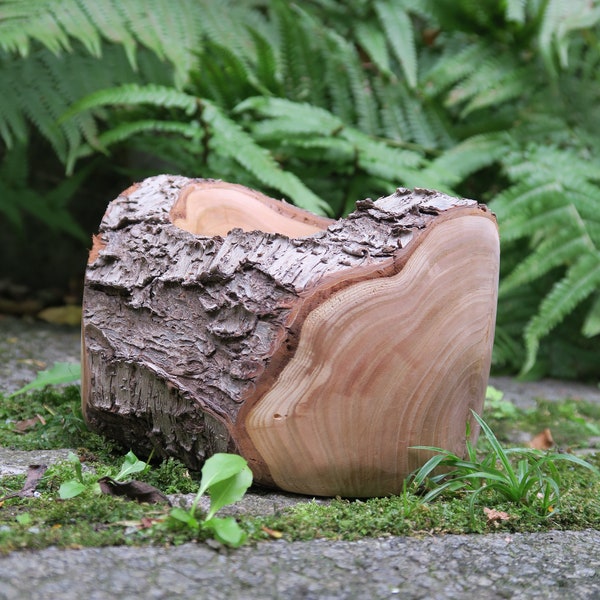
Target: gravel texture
(519,566)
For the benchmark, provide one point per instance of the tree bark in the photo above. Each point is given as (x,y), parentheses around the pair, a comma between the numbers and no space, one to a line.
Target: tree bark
(216,319)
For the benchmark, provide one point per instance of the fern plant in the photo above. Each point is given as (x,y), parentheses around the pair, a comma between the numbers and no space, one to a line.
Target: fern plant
(563,237)
(325,102)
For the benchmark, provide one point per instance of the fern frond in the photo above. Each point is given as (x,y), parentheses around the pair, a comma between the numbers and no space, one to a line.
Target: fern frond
(13,124)
(106,17)
(580,281)
(421,129)
(393,118)
(396,23)
(171,32)
(373,41)
(507,350)
(564,248)
(298,45)
(346,62)
(266,65)
(470,155)
(515,10)
(591,325)
(231,140)
(381,160)
(32,92)
(36,91)
(224,76)
(486,80)
(293,117)
(125,131)
(320,150)
(558,19)
(524,199)
(457,62)
(22,21)
(231,24)
(49,206)
(509,87)
(127,94)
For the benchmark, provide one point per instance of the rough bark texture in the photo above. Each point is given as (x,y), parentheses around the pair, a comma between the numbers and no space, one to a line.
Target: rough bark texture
(321,358)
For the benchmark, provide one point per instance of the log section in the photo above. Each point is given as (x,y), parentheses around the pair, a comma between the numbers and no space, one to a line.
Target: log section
(219,320)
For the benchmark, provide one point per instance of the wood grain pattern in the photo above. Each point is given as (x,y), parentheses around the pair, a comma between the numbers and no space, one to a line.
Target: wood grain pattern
(216,319)
(384,365)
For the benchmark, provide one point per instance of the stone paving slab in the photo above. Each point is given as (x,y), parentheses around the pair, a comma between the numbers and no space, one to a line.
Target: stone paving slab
(548,566)
(524,393)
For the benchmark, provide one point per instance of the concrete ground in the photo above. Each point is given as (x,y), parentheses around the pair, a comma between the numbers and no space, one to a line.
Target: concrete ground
(546,565)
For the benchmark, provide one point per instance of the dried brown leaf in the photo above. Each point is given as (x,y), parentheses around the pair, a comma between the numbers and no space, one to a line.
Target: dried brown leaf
(542,441)
(34,474)
(134,490)
(495,516)
(272,533)
(27,424)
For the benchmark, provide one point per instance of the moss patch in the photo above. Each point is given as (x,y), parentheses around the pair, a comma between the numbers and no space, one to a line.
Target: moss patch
(96,520)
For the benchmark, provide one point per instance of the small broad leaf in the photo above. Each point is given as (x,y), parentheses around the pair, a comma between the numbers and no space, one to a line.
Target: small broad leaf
(131,464)
(228,491)
(184,516)
(226,531)
(134,490)
(23,519)
(219,467)
(70,489)
(74,460)
(60,372)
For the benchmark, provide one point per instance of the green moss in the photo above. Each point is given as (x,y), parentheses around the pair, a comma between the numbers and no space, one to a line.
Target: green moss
(47,419)
(406,515)
(88,520)
(171,477)
(95,520)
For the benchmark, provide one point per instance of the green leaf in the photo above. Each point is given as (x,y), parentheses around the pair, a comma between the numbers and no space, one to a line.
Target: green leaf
(573,459)
(400,35)
(229,490)
(23,519)
(374,44)
(74,460)
(515,10)
(130,465)
(591,326)
(496,448)
(226,531)
(60,372)
(184,516)
(70,489)
(220,467)
(132,93)
(580,281)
